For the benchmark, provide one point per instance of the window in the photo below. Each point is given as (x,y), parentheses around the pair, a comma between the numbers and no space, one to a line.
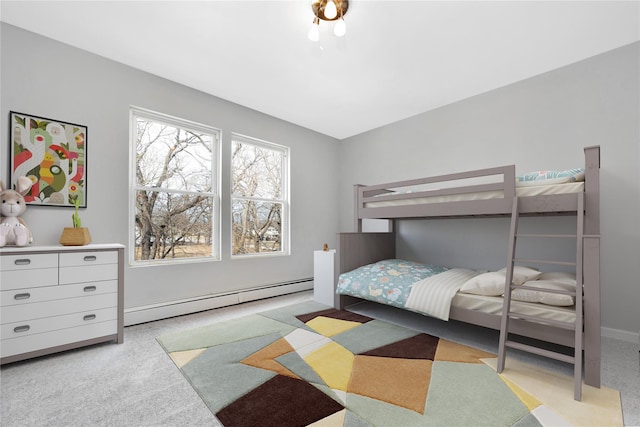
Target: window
(174,197)
(259,197)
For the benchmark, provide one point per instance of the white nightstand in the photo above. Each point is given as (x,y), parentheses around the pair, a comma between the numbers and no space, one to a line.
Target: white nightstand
(323,286)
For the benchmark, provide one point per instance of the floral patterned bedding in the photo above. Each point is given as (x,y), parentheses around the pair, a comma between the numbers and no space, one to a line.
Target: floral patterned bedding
(388,282)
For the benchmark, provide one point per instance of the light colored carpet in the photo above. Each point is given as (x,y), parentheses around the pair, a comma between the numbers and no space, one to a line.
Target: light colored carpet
(598,407)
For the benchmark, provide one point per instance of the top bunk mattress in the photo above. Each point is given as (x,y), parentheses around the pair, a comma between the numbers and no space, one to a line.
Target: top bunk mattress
(529,191)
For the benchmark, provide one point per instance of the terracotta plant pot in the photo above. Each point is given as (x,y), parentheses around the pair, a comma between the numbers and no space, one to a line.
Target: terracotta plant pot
(75,236)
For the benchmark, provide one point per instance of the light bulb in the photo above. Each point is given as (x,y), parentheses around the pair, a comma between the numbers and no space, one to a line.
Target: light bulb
(340,29)
(314,31)
(330,10)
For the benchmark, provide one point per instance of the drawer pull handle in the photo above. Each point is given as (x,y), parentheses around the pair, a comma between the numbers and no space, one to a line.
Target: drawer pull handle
(89,288)
(22,261)
(25,295)
(23,328)
(89,317)
(90,258)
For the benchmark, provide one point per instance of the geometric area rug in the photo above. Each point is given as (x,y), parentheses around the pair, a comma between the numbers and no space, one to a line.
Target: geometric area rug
(310,365)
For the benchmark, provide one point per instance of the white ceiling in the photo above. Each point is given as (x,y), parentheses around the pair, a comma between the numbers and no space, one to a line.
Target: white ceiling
(398,59)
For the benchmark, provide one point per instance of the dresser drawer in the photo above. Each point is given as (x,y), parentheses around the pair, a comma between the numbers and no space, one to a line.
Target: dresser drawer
(75,259)
(58,337)
(89,273)
(79,267)
(28,279)
(28,270)
(38,326)
(28,261)
(39,310)
(50,293)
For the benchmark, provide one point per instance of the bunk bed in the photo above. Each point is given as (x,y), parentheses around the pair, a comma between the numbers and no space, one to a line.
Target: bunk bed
(486,193)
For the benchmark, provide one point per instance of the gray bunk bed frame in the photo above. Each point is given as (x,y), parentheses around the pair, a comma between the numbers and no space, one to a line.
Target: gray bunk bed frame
(357,249)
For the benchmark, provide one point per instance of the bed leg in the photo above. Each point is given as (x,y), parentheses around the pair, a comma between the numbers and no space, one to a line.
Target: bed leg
(592,319)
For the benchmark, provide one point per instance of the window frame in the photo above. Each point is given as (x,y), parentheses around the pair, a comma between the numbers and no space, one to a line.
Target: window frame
(285,240)
(216,174)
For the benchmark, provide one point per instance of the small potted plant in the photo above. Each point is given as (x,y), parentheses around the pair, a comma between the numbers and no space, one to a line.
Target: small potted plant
(76,235)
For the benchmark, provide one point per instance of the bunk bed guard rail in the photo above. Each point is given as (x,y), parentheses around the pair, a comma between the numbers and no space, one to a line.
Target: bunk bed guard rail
(503,180)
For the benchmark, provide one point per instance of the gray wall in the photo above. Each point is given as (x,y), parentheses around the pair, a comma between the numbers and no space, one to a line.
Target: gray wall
(539,123)
(49,79)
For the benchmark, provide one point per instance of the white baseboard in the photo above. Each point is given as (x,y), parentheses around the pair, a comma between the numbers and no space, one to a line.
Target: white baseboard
(149,313)
(620,335)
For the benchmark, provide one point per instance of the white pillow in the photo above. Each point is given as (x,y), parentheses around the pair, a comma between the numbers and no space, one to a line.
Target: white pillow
(522,274)
(488,284)
(492,283)
(545,297)
(560,277)
(579,176)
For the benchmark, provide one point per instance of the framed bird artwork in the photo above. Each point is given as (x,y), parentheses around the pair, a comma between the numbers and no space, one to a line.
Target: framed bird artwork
(53,154)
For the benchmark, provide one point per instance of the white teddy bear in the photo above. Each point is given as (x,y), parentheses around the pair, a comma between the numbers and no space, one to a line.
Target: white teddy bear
(13,229)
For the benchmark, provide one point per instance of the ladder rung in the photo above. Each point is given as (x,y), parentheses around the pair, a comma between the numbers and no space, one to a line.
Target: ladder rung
(573,236)
(557,323)
(541,261)
(550,291)
(540,351)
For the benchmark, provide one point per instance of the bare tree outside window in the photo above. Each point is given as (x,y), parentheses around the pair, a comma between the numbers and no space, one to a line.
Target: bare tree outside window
(175,189)
(259,197)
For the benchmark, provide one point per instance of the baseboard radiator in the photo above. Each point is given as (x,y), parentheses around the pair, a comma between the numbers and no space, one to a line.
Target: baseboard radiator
(148,313)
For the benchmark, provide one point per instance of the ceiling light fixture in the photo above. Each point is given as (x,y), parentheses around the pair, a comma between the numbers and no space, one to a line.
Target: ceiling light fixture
(328,10)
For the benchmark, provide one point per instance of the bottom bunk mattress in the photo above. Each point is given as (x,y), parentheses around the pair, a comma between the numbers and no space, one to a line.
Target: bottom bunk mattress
(493,305)
(433,290)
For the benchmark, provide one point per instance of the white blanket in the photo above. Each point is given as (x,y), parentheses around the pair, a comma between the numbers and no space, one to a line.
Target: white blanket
(433,295)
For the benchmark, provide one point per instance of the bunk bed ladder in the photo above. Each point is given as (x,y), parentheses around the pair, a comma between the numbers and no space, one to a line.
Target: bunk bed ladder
(508,315)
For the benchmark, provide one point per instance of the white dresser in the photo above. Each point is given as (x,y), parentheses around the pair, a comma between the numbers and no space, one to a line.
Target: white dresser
(56,298)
